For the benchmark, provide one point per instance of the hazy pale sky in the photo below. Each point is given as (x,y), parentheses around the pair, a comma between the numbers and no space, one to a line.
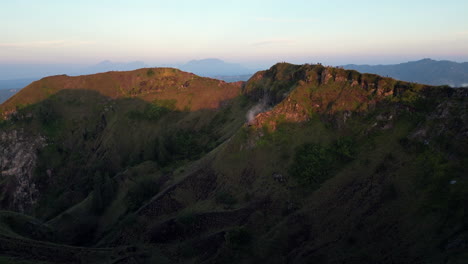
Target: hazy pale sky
(250,32)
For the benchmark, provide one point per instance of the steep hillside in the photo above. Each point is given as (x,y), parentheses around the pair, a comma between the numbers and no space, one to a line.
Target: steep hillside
(303,163)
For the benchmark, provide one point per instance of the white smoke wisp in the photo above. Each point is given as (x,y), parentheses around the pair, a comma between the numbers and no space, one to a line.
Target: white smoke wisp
(262,106)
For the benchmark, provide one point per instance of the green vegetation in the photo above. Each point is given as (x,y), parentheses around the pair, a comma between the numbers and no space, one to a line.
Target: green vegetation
(314,163)
(169,104)
(150,73)
(154,111)
(344,148)
(183,145)
(343,168)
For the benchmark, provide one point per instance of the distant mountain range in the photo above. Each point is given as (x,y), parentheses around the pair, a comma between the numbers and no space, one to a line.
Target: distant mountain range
(425,71)
(7,93)
(15,84)
(234,78)
(9,87)
(18,73)
(215,67)
(105,66)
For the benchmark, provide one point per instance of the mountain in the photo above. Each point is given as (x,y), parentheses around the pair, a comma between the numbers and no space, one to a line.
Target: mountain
(26,73)
(9,87)
(300,164)
(6,93)
(15,84)
(105,66)
(209,68)
(214,67)
(35,71)
(425,71)
(234,78)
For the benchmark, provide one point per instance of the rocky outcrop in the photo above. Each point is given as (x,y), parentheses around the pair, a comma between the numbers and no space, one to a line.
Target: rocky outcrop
(447,122)
(288,111)
(18,156)
(302,90)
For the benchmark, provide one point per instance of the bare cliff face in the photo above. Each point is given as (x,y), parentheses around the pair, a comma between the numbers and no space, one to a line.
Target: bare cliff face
(18,156)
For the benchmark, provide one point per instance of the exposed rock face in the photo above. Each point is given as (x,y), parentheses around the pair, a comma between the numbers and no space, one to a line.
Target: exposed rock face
(448,117)
(317,89)
(18,156)
(288,110)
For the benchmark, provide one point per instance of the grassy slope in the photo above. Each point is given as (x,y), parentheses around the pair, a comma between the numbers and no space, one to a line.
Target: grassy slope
(191,92)
(385,198)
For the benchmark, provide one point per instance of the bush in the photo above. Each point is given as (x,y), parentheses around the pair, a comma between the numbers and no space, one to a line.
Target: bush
(312,164)
(153,111)
(183,144)
(169,104)
(345,148)
(150,72)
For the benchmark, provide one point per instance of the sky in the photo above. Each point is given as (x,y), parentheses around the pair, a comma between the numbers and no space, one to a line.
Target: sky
(255,33)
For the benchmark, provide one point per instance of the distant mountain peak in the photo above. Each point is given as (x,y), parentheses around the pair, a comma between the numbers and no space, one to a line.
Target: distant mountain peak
(210,60)
(104,62)
(211,67)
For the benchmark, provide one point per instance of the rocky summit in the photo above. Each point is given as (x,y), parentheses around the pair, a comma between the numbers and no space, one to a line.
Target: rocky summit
(300,164)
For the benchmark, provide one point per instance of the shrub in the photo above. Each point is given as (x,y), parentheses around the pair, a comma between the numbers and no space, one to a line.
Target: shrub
(345,148)
(46,113)
(150,113)
(312,164)
(153,111)
(150,72)
(183,144)
(169,104)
